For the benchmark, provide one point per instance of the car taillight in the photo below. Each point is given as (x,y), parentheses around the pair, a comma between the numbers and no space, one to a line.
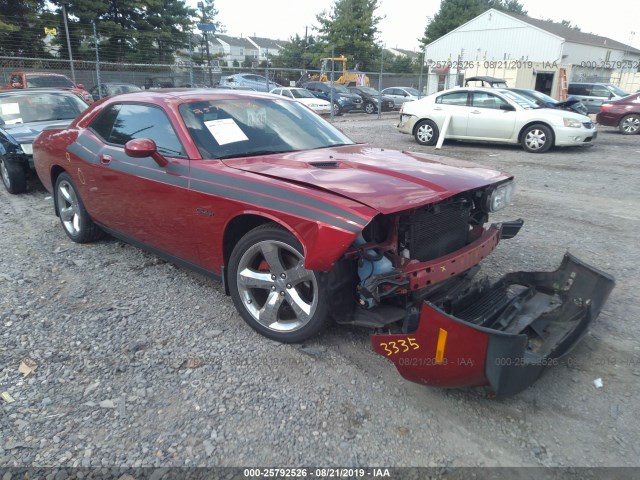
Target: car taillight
(606,106)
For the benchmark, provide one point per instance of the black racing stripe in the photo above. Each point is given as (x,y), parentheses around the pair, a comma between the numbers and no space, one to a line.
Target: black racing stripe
(276,191)
(146,163)
(82,152)
(149,173)
(275,204)
(89,143)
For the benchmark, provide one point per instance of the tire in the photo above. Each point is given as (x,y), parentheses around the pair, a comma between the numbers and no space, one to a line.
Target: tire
(336,109)
(272,290)
(369,108)
(426,132)
(13,176)
(537,138)
(630,125)
(73,216)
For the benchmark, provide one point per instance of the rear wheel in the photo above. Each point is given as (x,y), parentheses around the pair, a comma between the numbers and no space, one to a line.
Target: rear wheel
(537,138)
(272,290)
(630,124)
(426,133)
(13,176)
(74,217)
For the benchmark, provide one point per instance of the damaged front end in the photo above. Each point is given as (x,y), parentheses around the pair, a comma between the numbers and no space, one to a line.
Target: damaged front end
(502,335)
(415,277)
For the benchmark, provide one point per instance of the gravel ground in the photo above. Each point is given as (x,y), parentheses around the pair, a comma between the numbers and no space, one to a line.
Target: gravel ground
(140,363)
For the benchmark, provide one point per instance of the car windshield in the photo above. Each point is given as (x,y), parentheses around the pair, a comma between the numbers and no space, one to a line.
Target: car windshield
(49,81)
(39,107)
(539,95)
(412,91)
(519,99)
(256,126)
(117,89)
(301,93)
(369,90)
(339,88)
(618,91)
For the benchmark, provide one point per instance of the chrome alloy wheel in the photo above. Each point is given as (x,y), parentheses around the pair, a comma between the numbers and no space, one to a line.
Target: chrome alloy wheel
(630,124)
(535,139)
(425,133)
(68,207)
(275,288)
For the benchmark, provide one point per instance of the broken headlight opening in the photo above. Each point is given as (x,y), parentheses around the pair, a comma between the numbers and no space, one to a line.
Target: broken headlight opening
(498,198)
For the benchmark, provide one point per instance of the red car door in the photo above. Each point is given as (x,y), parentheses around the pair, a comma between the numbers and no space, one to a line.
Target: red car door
(136,197)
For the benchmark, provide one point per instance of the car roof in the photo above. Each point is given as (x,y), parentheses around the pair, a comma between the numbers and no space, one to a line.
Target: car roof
(27,91)
(163,95)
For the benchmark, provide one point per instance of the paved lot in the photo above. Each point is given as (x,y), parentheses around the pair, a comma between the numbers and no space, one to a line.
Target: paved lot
(114,332)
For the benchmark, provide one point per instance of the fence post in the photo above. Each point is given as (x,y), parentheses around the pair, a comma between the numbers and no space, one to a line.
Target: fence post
(97,43)
(380,82)
(421,72)
(190,62)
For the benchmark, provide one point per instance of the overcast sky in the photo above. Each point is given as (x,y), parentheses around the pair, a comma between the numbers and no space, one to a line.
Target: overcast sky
(405,20)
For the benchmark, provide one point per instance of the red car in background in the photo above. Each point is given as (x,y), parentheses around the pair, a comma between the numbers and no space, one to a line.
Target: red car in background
(47,80)
(623,113)
(303,225)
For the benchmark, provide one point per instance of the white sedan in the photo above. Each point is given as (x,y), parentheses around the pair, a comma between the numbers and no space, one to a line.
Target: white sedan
(494,115)
(304,96)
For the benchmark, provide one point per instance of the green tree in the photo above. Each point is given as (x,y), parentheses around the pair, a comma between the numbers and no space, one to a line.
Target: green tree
(146,31)
(22,28)
(453,13)
(297,52)
(350,29)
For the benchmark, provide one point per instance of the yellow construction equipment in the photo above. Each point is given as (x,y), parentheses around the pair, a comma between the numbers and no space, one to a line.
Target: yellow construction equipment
(348,78)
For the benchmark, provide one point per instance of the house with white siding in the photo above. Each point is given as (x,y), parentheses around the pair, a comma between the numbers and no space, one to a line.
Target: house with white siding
(507,40)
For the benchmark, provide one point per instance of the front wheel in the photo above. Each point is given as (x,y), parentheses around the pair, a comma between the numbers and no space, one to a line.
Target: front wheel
(336,109)
(369,108)
(74,217)
(537,138)
(272,290)
(13,176)
(630,124)
(426,133)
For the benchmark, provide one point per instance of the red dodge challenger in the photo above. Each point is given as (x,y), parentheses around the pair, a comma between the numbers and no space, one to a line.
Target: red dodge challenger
(303,225)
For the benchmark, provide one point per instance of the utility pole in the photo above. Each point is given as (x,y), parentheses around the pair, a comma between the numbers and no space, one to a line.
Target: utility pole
(204,27)
(66,30)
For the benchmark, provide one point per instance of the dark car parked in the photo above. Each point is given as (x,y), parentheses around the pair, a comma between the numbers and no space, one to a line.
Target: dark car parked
(343,100)
(623,113)
(572,104)
(109,89)
(23,115)
(372,97)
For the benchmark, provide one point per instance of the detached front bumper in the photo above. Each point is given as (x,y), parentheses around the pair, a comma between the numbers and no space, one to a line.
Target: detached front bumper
(502,335)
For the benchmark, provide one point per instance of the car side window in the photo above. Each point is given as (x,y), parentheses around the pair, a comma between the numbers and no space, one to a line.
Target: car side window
(487,100)
(103,123)
(600,91)
(454,98)
(145,121)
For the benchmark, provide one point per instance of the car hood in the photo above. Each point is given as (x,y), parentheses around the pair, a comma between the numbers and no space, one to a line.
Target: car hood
(386,180)
(27,132)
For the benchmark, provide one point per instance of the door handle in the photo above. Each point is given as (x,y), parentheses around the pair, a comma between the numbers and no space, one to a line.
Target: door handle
(475,111)
(105,159)
(438,108)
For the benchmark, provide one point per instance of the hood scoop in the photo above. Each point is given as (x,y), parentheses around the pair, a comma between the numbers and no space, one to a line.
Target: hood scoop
(325,164)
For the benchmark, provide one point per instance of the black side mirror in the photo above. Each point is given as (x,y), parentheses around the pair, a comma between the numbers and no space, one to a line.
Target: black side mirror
(507,108)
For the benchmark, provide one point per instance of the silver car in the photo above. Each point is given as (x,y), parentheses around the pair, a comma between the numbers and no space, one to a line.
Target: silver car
(494,115)
(250,80)
(401,95)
